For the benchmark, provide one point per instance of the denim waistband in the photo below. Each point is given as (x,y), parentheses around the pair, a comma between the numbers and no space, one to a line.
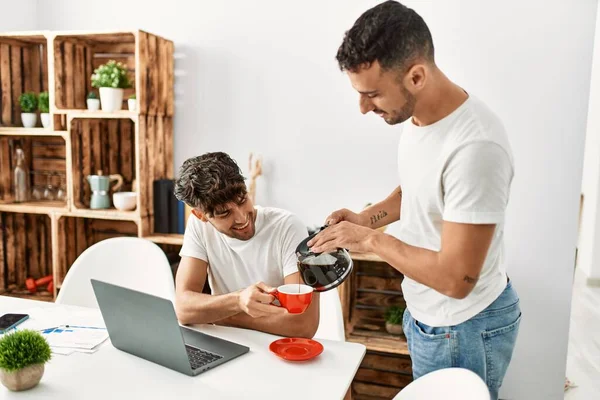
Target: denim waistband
(508,299)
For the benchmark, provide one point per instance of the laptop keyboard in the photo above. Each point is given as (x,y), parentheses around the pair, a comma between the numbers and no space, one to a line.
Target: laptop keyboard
(199,358)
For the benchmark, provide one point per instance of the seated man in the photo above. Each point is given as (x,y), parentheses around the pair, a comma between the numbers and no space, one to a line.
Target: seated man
(246,251)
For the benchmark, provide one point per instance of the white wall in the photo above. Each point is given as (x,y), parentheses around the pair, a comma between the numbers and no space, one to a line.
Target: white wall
(261,76)
(18,15)
(589,245)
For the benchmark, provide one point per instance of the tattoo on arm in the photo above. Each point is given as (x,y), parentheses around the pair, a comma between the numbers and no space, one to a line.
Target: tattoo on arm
(378,216)
(470,280)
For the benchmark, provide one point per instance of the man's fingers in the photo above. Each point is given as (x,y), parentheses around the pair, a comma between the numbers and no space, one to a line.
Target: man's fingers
(267,309)
(264,287)
(264,298)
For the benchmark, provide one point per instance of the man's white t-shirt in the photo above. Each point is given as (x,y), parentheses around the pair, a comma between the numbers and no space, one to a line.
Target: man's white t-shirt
(458,169)
(233,264)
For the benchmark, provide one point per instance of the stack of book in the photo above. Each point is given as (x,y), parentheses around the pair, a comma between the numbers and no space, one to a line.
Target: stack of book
(169,213)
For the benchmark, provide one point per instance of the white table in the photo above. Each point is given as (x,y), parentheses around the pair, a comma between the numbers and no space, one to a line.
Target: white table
(112,374)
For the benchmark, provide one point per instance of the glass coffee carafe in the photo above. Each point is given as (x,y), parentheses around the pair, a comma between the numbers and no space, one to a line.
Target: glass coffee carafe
(322,271)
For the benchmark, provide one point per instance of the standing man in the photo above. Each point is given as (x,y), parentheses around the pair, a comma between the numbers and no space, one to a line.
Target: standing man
(455,170)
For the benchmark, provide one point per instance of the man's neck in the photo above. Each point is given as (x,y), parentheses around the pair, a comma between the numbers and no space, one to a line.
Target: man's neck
(438,101)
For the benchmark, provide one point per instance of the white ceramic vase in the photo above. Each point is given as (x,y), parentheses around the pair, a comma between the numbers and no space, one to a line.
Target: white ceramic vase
(111,99)
(45,119)
(29,119)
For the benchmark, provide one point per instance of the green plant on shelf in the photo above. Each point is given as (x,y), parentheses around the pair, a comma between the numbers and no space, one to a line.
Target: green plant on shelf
(28,102)
(394,314)
(92,95)
(132,97)
(44,102)
(113,74)
(21,349)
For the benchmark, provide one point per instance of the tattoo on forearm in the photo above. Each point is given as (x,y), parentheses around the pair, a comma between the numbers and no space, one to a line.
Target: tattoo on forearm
(470,280)
(378,216)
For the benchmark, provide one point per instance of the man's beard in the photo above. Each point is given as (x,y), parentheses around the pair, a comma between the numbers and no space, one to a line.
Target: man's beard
(405,112)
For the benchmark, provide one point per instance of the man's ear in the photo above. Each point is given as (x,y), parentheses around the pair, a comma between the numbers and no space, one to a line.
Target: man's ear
(200,215)
(416,77)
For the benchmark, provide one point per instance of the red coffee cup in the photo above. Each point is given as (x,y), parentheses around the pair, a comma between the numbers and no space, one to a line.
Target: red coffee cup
(293,297)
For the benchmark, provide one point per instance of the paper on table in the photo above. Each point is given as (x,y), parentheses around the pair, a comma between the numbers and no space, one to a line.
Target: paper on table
(74,337)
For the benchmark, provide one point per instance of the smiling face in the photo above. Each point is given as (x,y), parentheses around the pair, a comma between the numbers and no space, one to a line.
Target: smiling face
(236,219)
(383,92)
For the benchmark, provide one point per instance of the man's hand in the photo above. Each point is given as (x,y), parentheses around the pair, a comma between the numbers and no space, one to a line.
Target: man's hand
(256,301)
(344,235)
(346,215)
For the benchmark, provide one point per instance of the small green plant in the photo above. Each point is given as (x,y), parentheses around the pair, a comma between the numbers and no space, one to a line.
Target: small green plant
(132,97)
(28,102)
(92,95)
(44,102)
(112,74)
(394,315)
(22,349)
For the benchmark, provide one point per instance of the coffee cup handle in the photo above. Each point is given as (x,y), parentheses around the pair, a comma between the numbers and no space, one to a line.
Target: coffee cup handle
(275,293)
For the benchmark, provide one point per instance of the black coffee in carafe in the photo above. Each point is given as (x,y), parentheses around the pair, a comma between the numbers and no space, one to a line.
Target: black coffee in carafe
(325,271)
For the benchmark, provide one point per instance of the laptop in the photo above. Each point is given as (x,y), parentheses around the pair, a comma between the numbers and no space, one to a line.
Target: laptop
(146,326)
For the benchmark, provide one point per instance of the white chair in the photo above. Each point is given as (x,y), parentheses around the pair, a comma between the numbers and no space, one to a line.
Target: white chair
(447,384)
(331,319)
(125,261)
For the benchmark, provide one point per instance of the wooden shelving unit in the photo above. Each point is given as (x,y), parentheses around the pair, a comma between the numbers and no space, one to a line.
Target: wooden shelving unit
(372,287)
(38,238)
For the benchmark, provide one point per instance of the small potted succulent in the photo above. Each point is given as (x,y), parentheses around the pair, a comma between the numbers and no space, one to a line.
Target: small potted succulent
(44,107)
(28,102)
(22,358)
(393,320)
(111,78)
(93,102)
(132,103)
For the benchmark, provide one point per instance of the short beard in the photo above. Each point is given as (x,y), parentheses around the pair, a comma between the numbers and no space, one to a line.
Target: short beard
(406,111)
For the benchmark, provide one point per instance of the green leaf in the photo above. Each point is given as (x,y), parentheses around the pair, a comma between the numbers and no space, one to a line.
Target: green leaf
(21,349)
(28,102)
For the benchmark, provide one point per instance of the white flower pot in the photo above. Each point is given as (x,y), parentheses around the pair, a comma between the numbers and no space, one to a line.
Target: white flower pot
(131,104)
(93,104)
(111,99)
(45,119)
(29,119)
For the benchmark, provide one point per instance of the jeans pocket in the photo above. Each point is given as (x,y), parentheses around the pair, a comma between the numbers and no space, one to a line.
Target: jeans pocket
(431,333)
(499,344)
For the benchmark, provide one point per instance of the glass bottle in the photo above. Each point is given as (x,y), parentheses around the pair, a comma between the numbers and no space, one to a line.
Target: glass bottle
(21,178)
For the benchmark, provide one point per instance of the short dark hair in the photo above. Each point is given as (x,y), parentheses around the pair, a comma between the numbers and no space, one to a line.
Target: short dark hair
(209,181)
(389,33)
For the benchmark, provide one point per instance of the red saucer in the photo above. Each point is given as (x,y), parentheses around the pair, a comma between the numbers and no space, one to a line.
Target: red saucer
(296,349)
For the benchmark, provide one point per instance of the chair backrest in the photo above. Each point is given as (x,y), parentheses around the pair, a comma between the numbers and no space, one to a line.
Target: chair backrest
(134,263)
(331,319)
(448,384)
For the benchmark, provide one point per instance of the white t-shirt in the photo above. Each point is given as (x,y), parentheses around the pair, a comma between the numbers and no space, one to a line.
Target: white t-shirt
(233,264)
(458,169)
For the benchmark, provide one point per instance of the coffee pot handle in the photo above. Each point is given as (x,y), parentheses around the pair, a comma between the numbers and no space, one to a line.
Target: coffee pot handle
(119,179)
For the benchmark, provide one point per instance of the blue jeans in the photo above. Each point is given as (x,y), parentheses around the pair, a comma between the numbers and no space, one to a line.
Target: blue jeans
(484,344)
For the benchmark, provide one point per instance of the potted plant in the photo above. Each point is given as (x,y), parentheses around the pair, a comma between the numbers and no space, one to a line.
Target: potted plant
(131,102)
(111,78)
(393,320)
(44,107)
(28,102)
(22,358)
(93,103)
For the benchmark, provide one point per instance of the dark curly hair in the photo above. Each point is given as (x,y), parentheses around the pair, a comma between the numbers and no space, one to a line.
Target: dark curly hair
(390,33)
(209,181)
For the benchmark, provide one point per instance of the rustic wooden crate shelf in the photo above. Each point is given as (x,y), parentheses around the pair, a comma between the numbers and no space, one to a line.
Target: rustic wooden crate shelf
(138,145)
(166,238)
(15,131)
(35,207)
(383,343)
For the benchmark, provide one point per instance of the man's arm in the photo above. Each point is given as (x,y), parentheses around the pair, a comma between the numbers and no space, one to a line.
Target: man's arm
(381,214)
(452,271)
(194,307)
(291,325)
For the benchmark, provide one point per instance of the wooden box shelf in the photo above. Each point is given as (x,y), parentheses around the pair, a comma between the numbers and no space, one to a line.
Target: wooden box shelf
(138,144)
(25,251)
(371,288)
(106,145)
(45,157)
(23,68)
